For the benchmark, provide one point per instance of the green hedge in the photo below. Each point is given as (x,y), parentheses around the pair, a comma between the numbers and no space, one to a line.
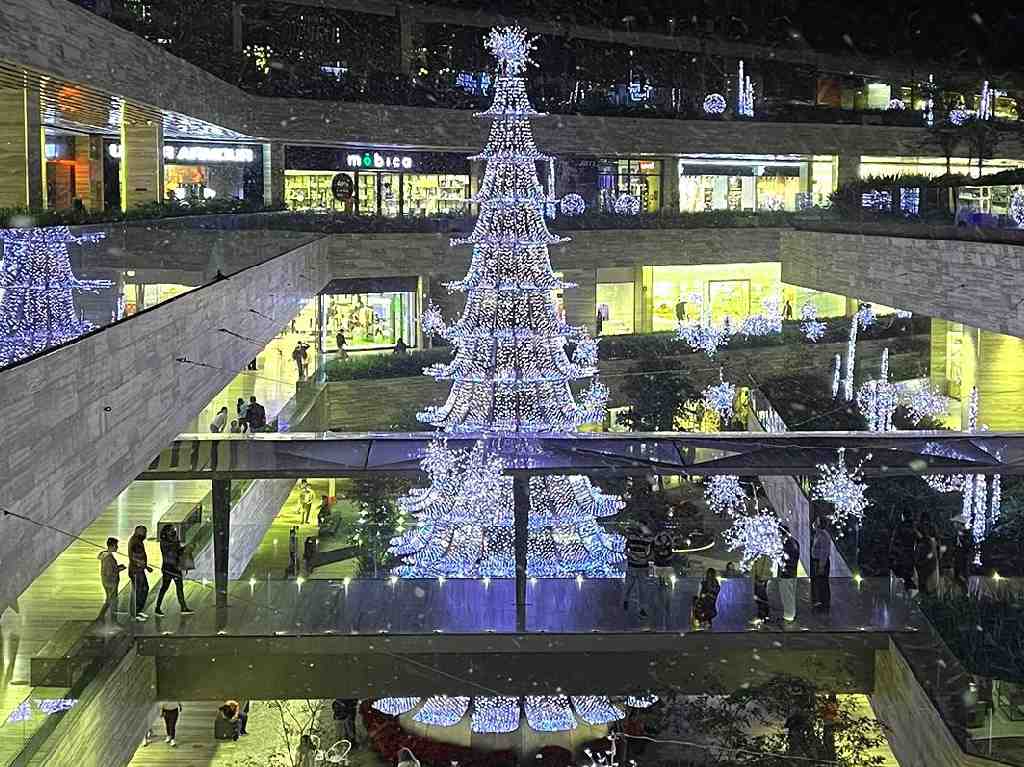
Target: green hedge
(374,366)
(24,217)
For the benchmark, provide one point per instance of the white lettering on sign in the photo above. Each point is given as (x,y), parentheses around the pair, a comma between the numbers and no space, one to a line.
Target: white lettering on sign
(373,160)
(204,154)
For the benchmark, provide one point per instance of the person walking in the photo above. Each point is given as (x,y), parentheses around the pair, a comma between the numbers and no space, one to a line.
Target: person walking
(299,357)
(219,421)
(963,555)
(110,577)
(761,574)
(306,498)
(705,604)
(241,406)
(341,341)
(638,556)
(926,559)
(787,574)
(255,415)
(138,567)
(171,553)
(169,712)
(901,552)
(821,564)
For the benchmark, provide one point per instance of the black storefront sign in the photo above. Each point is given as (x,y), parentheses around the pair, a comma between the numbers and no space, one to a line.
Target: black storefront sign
(319,158)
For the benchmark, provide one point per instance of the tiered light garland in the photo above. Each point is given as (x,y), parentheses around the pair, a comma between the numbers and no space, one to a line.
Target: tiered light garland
(37,310)
(812,328)
(510,375)
(719,397)
(842,487)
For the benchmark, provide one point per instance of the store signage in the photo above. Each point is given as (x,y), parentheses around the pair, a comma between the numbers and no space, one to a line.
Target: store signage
(376,160)
(199,154)
(342,187)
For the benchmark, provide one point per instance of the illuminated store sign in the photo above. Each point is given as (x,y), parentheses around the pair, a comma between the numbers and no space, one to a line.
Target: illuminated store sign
(378,160)
(199,154)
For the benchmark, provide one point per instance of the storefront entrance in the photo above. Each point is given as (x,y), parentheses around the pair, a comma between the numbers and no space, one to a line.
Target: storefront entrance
(370,314)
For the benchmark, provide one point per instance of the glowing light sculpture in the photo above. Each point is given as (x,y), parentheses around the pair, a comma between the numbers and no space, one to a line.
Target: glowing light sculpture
(926,402)
(1017,208)
(719,397)
(724,494)
(627,205)
(744,95)
(812,328)
(510,377)
(37,310)
(442,710)
(879,398)
(842,487)
(494,715)
(572,205)
(754,536)
(549,713)
(714,104)
(396,706)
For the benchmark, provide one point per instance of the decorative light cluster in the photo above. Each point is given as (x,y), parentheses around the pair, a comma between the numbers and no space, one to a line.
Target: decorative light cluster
(702,335)
(865,316)
(879,398)
(812,328)
(714,104)
(985,102)
(723,494)
(745,94)
(510,377)
(754,536)
(837,367)
(1017,208)
(876,200)
(904,314)
(37,308)
(926,402)
(719,397)
(572,205)
(851,358)
(627,205)
(503,714)
(768,323)
(804,201)
(896,105)
(959,116)
(842,487)
(45,706)
(910,200)
(929,107)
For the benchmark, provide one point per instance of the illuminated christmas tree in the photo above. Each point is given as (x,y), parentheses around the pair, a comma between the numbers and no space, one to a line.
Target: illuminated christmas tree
(510,376)
(37,310)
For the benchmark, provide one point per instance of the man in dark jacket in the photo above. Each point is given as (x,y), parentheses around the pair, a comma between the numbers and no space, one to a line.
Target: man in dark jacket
(138,566)
(901,552)
(638,557)
(171,552)
(255,415)
(787,573)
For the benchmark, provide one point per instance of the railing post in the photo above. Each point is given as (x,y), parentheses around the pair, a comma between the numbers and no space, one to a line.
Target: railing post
(521,496)
(221,538)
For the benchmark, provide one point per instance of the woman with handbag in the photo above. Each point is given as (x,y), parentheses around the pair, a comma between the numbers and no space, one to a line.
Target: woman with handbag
(173,556)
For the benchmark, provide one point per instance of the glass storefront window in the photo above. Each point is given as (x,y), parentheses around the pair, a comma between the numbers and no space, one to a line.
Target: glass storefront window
(431,194)
(615,308)
(929,166)
(746,182)
(640,178)
(369,320)
(733,290)
(311,190)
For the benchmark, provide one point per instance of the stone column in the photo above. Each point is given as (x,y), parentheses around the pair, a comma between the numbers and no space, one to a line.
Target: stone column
(273,173)
(406,18)
(221,538)
(142,158)
(669,185)
(521,512)
(848,168)
(22,161)
(581,301)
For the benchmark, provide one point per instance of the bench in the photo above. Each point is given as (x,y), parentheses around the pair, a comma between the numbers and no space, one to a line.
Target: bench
(183,517)
(62,661)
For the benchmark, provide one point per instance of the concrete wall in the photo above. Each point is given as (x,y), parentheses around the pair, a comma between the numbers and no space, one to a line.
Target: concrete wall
(980,284)
(84,420)
(917,733)
(107,724)
(251,517)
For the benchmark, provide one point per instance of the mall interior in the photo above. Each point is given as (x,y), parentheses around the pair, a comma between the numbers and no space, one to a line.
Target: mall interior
(199,214)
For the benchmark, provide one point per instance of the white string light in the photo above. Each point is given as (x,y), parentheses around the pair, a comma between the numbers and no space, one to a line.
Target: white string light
(714,104)
(723,494)
(812,328)
(754,536)
(719,397)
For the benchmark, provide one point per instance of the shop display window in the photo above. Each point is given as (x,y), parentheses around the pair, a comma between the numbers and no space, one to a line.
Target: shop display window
(640,178)
(432,194)
(368,320)
(311,190)
(733,290)
(615,308)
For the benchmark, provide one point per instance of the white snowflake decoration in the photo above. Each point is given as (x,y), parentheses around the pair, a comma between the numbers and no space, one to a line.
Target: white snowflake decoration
(959,116)
(723,494)
(573,205)
(842,487)
(627,205)
(704,338)
(896,105)
(432,321)
(926,402)
(755,536)
(714,104)
(511,47)
(719,397)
